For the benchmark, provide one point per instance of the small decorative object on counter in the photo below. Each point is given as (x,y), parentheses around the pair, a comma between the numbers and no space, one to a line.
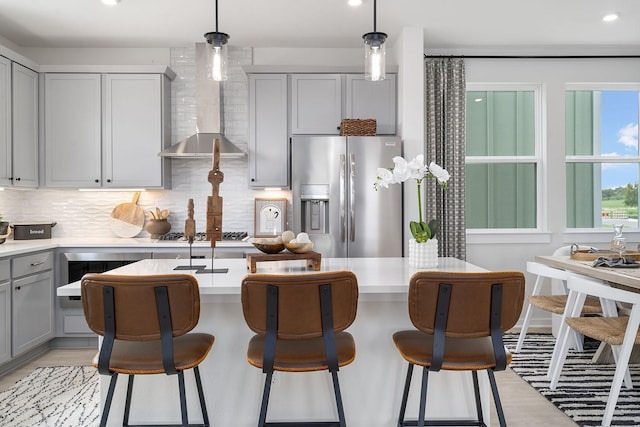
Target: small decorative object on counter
(5,230)
(423,233)
(157,223)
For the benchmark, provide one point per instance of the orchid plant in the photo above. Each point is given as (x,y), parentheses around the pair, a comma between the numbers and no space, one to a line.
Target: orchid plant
(414,169)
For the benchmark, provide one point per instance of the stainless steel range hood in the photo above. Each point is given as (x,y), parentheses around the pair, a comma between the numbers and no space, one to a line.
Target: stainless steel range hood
(209,120)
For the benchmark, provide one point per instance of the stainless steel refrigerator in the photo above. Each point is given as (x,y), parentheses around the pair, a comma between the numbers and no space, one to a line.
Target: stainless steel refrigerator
(334,200)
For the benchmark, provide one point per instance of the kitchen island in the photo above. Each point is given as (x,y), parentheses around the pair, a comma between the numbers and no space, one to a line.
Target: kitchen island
(371,385)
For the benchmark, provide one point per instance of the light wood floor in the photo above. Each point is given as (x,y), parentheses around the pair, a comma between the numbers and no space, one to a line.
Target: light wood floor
(523,406)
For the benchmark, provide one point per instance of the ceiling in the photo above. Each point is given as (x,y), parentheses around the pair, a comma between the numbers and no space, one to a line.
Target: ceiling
(448,24)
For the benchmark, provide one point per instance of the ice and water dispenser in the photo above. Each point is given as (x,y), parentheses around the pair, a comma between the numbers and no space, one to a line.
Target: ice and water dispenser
(314,201)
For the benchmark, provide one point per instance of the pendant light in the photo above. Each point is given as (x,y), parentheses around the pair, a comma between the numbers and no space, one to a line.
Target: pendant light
(217,64)
(374,52)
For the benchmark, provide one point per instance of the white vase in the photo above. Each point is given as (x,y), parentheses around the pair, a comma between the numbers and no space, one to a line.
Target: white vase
(423,255)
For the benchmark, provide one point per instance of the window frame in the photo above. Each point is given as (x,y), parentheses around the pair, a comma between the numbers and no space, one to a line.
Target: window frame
(599,159)
(538,234)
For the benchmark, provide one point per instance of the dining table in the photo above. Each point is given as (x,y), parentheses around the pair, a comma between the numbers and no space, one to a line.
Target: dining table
(622,277)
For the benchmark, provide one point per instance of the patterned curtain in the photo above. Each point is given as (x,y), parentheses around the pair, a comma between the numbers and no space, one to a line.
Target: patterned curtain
(445,145)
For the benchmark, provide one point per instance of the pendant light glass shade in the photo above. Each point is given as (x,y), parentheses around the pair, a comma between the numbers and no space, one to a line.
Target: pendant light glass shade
(374,52)
(374,56)
(217,63)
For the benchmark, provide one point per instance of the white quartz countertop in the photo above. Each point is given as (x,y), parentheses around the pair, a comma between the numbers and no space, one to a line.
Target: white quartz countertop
(375,275)
(16,247)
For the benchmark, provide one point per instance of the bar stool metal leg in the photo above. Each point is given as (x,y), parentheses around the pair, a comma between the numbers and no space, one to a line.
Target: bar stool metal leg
(203,405)
(405,395)
(107,403)
(496,398)
(127,404)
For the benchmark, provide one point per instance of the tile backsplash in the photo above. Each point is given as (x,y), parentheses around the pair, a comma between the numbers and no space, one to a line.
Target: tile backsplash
(86,214)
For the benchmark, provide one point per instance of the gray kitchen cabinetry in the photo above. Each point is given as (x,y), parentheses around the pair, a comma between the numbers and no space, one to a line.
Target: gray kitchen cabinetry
(316,104)
(5,311)
(105,130)
(32,301)
(18,125)
(268,133)
(372,100)
(320,101)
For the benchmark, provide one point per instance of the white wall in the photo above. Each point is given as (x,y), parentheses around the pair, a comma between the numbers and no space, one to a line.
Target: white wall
(511,252)
(98,56)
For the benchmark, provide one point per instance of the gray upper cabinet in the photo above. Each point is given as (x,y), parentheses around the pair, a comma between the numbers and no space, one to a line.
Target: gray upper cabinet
(105,130)
(372,100)
(133,129)
(5,121)
(268,133)
(72,130)
(18,125)
(316,104)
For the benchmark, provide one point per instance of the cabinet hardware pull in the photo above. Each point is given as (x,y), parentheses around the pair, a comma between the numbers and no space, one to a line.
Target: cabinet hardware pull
(17,288)
(108,180)
(35,264)
(18,179)
(97,180)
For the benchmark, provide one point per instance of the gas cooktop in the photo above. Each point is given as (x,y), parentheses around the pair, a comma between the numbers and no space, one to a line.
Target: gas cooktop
(201,236)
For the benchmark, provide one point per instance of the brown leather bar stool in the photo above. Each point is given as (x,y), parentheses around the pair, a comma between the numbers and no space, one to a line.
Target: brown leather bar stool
(144,321)
(299,321)
(460,319)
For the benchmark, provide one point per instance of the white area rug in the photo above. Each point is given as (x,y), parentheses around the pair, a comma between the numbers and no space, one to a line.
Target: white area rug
(61,396)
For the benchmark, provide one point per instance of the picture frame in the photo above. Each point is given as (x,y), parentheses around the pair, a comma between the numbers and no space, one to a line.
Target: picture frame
(270,217)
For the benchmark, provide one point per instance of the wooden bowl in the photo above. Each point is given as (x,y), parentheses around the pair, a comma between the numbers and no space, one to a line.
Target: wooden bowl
(269,248)
(299,248)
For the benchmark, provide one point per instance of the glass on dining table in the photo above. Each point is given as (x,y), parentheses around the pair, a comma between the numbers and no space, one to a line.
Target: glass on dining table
(618,243)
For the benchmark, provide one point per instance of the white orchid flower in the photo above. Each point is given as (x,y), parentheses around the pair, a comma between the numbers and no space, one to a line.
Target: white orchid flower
(417,167)
(385,177)
(440,173)
(401,171)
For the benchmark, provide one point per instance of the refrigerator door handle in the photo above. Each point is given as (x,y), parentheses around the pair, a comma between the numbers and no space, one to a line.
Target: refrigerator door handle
(352,198)
(342,202)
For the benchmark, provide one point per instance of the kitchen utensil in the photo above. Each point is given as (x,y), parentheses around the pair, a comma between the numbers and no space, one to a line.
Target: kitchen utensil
(127,219)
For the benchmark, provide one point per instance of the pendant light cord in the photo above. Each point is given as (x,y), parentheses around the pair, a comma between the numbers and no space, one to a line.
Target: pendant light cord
(216,16)
(374,15)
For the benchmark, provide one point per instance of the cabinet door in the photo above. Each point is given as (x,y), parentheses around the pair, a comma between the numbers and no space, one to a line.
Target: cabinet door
(316,104)
(25,126)
(133,131)
(32,300)
(5,320)
(5,121)
(268,142)
(372,100)
(72,120)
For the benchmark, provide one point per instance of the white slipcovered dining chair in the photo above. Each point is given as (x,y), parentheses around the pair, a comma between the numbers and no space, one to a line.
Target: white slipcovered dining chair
(620,332)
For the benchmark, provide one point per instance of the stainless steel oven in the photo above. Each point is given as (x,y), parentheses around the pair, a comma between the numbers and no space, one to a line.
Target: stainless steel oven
(74,265)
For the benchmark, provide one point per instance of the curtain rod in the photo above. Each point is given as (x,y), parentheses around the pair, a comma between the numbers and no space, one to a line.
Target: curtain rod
(535,56)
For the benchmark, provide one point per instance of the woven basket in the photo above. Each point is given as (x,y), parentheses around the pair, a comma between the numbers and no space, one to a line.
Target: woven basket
(358,127)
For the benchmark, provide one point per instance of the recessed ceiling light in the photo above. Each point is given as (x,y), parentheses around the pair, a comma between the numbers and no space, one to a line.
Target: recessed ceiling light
(110,2)
(610,17)
(354,3)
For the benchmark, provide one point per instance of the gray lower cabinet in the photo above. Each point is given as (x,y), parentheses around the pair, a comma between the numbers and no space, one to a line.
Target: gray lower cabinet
(32,321)
(5,311)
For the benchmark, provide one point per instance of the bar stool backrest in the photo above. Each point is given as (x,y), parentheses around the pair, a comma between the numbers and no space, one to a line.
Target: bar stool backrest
(136,312)
(470,301)
(299,315)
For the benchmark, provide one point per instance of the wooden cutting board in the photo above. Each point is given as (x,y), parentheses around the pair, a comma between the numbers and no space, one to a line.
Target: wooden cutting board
(127,219)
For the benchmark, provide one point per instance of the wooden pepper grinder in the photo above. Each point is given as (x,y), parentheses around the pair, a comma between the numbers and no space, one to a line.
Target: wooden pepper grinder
(214,202)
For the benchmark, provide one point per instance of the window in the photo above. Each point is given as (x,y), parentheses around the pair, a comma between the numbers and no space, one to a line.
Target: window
(601,136)
(502,157)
